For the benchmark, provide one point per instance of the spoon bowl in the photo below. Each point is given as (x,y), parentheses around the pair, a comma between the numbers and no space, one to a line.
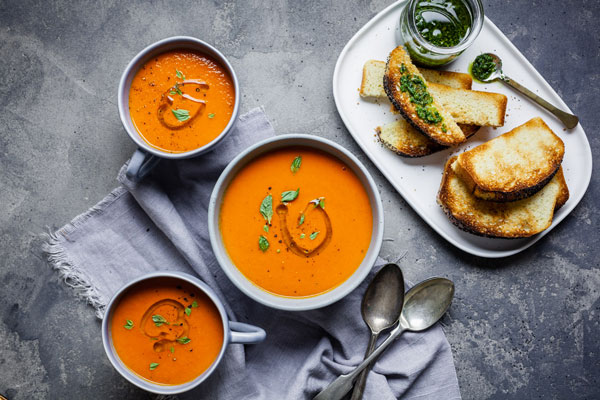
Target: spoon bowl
(383,299)
(497,74)
(425,306)
(569,120)
(381,307)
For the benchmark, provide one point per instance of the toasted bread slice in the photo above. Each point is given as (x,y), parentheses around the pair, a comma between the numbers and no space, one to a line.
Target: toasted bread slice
(516,219)
(471,106)
(444,130)
(399,136)
(403,139)
(371,86)
(456,80)
(514,165)
(452,89)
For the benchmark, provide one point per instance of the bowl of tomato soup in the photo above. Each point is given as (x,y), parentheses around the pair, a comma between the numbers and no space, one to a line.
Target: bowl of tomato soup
(296,222)
(166,332)
(178,98)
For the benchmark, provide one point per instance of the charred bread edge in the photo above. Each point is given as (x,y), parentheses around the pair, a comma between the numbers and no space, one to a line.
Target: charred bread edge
(505,197)
(393,148)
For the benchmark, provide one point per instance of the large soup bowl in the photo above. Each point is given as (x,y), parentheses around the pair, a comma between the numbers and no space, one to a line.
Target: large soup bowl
(234,274)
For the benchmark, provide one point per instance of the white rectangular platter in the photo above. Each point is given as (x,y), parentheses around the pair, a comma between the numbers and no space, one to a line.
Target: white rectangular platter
(418,179)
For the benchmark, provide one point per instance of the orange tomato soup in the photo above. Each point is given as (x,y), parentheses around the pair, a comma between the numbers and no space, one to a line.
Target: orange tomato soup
(181,100)
(166,331)
(314,241)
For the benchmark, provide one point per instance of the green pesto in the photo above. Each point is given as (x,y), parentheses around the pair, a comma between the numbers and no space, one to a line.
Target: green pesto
(417,91)
(482,67)
(443,23)
(429,114)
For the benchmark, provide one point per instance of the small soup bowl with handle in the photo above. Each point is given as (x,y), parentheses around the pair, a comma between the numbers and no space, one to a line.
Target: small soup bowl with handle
(147,157)
(241,281)
(233,332)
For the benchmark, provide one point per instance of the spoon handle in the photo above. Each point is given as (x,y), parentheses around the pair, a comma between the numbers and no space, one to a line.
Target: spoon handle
(342,385)
(568,120)
(359,386)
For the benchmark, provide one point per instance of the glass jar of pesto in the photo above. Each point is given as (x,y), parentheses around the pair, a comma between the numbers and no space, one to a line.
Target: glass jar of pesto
(435,32)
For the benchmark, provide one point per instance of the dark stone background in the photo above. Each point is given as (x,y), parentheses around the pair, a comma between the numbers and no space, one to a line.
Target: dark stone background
(524,327)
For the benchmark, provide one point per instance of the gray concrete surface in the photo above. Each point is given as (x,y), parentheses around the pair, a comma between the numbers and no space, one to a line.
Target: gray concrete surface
(525,327)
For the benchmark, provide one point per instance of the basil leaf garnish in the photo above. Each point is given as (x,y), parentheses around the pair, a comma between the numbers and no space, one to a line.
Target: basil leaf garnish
(159,320)
(263,243)
(184,340)
(181,114)
(266,208)
(296,164)
(289,195)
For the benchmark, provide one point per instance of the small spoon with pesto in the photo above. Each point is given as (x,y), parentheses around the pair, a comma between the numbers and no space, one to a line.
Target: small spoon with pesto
(487,68)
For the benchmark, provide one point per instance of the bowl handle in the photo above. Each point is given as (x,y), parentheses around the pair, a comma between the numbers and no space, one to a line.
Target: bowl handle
(245,333)
(140,164)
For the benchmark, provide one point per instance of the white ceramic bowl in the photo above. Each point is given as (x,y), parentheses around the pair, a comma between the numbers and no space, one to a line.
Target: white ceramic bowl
(233,332)
(146,157)
(253,291)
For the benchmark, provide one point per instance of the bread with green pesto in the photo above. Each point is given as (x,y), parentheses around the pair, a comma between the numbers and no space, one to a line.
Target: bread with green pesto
(407,90)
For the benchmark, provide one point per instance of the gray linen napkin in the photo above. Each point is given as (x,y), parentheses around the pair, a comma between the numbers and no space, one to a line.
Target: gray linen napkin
(161,224)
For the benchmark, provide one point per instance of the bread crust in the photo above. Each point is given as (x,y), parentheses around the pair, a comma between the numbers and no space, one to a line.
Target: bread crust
(391,83)
(513,196)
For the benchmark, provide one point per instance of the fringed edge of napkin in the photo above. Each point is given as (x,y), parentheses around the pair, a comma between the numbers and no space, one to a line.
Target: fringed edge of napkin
(67,270)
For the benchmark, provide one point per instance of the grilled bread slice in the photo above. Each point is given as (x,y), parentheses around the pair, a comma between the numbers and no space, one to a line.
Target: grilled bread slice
(371,86)
(516,219)
(456,80)
(399,136)
(471,106)
(403,139)
(514,165)
(419,108)
(452,89)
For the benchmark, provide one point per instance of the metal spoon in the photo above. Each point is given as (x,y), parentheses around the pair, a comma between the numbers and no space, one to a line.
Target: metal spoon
(381,307)
(568,120)
(424,305)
